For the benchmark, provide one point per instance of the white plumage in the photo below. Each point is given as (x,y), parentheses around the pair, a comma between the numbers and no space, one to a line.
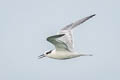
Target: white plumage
(63,42)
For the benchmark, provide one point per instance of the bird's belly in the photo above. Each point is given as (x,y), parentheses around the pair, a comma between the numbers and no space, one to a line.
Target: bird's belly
(62,55)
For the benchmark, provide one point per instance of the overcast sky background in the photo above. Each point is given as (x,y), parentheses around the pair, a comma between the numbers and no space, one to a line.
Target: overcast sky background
(25,25)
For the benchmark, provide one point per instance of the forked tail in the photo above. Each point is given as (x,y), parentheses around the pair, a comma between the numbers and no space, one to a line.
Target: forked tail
(86,53)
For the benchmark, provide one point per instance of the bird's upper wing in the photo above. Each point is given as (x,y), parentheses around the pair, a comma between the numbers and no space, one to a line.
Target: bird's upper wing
(74,24)
(67,38)
(59,45)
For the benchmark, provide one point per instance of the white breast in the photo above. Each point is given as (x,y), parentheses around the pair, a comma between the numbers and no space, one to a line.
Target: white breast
(62,55)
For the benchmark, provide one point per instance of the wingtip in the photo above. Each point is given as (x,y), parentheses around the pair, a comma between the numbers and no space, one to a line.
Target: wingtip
(61,35)
(93,15)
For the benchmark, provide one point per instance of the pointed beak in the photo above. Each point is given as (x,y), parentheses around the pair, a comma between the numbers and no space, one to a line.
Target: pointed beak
(41,56)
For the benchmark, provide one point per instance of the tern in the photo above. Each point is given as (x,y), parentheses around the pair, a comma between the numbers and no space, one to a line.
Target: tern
(63,43)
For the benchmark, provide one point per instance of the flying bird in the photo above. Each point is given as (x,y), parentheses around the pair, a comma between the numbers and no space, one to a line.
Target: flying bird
(63,42)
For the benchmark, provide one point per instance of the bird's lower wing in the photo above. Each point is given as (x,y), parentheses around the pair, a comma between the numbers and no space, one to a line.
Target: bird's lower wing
(59,45)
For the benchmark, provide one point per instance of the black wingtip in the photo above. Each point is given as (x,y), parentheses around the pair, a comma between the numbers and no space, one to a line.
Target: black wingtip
(61,35)
(92,15)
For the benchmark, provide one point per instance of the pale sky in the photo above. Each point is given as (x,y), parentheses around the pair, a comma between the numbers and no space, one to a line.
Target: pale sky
(25,25)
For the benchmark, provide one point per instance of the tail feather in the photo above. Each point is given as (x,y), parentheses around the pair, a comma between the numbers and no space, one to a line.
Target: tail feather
(86,55)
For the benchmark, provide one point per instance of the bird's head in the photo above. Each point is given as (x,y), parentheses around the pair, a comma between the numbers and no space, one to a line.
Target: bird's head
(45,54)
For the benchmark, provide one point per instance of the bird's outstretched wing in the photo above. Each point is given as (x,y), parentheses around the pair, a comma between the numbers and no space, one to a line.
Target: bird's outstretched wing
(59,45)
(74,24)
(67,38)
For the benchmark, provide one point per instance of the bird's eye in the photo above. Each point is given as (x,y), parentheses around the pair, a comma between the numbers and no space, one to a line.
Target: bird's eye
(49,52)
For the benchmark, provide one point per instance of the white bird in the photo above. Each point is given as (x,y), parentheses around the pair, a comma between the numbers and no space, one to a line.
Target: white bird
(63,43)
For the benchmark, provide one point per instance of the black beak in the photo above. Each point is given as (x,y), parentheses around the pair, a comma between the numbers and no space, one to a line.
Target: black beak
(41,56)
